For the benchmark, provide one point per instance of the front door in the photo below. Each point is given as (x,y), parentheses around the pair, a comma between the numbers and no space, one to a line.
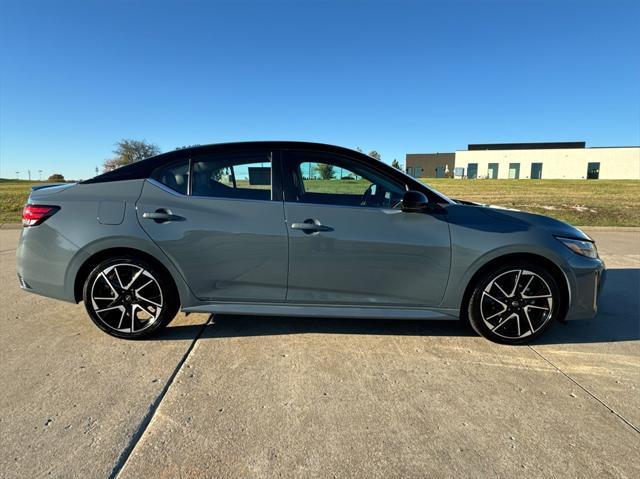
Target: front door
(216,218)
(350,244)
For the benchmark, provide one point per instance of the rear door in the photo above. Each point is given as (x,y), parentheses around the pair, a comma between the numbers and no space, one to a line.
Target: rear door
(220,219)
(350,244)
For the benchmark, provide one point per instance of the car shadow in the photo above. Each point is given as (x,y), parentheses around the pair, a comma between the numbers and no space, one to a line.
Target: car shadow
(618,320)
(618,316)
(226,325)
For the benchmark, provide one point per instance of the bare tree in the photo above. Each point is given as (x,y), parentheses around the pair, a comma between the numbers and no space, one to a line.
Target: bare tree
(128,151)
(325,171)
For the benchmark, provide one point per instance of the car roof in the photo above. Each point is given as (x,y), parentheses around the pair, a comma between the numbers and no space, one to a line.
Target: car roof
(144,168)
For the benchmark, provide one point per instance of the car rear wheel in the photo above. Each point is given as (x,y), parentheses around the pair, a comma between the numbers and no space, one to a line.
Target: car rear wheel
(514,303)
(128,298)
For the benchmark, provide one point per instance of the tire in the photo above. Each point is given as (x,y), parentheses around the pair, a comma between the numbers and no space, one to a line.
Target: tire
(514,303)
(129,298)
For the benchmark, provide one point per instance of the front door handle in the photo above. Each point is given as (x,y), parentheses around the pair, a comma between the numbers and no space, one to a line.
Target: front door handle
(310,225)
(162,216)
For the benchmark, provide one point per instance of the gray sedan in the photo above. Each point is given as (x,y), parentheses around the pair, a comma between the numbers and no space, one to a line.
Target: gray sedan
(292,228)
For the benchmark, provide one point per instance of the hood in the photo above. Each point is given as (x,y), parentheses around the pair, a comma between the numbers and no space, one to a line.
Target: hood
(554,226)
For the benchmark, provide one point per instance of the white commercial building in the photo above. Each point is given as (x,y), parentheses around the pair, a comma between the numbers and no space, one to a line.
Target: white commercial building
(531,161)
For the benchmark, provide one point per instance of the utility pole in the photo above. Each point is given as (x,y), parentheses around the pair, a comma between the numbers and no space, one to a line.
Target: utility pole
(17,175)
(39,175)
(29,173)
(97,170)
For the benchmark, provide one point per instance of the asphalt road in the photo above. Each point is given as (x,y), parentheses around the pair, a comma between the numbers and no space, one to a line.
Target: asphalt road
(269,397)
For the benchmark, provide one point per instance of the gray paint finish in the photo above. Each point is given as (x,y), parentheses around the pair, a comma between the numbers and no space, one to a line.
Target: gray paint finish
(52,254)
(369,255)
(226,249)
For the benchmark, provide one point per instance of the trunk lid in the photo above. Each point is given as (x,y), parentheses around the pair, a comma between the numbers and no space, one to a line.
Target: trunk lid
(39,192)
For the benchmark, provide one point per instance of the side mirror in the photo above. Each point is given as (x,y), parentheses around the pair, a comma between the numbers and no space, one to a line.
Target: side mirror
(414,201)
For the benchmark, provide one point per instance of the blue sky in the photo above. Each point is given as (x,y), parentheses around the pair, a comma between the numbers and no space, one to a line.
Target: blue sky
(395,76)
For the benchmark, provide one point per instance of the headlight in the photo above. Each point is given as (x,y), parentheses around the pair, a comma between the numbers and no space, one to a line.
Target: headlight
(583,248)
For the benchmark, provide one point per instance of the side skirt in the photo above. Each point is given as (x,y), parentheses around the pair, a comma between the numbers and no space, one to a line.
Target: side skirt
(315,310)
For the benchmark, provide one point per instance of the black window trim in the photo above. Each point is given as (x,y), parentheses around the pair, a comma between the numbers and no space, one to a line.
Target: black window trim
(190,178)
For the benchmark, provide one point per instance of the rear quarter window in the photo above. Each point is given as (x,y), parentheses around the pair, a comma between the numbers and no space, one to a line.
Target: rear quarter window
(174,176)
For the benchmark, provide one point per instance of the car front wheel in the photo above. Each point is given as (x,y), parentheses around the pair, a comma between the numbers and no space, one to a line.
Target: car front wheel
(128,298)
(514,303)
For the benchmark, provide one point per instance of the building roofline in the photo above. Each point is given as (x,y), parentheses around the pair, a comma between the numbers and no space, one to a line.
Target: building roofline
(587,148)
(552,145)
(628,146)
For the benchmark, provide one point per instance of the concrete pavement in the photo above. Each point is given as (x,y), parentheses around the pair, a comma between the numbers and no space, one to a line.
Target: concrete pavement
(265,397)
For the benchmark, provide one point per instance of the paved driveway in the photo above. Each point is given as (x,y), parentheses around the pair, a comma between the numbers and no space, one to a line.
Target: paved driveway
(268,397)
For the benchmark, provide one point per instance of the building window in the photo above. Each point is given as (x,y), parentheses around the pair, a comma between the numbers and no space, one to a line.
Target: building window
(536,171)
(514,171)
(593,171)
(410,171)
(472,171)
(492,172)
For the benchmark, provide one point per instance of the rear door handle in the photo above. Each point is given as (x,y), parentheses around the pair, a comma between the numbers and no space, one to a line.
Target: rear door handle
(311,225)
(162,216)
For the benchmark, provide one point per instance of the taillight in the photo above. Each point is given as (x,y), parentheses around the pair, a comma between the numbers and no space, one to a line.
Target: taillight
(33,215)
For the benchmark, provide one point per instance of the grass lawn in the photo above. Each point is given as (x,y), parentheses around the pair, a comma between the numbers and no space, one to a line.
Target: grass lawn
(13,196)
(580,202)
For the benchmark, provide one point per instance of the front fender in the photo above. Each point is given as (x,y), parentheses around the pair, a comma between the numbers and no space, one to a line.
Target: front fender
(461,275)
(473,248)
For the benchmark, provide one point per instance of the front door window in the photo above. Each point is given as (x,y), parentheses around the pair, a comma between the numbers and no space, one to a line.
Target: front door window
(334,181)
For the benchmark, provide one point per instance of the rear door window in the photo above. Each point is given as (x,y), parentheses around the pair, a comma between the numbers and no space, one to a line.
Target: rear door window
(246,177)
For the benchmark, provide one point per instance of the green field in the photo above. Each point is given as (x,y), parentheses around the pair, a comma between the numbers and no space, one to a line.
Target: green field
(580,202)
(13,195)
